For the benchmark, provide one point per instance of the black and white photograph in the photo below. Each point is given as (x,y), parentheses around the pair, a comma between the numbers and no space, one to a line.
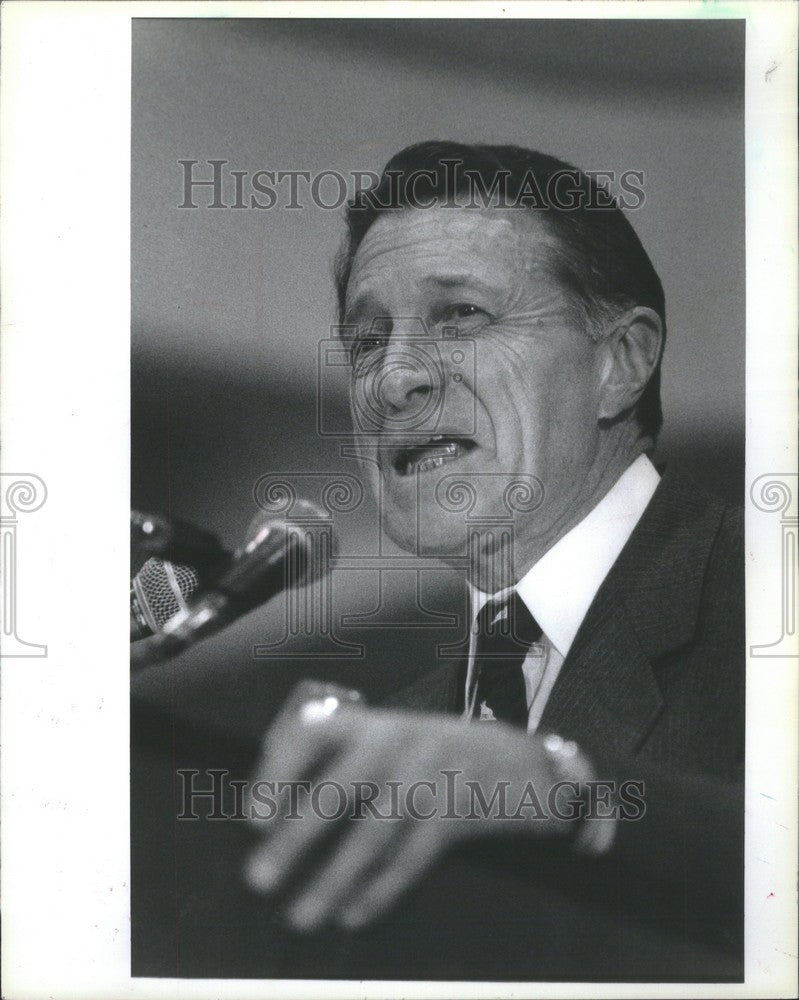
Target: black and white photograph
(454,404)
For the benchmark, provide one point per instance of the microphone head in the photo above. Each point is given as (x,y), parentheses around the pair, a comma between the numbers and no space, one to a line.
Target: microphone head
(157,593)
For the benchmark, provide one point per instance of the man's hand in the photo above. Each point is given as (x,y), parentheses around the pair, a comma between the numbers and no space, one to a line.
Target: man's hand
(403,788)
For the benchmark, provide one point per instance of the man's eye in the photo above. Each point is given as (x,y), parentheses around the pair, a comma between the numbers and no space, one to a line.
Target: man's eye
(461,311)
(362,347)
(366,344)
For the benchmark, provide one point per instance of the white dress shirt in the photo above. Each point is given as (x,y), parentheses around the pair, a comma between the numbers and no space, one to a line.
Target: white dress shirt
(559,588)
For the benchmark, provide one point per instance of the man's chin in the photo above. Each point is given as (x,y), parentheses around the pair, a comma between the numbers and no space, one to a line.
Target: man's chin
(429,539)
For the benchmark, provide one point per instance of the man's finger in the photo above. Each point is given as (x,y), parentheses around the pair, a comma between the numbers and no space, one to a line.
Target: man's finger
(344,874)
(420,850)
(291,839)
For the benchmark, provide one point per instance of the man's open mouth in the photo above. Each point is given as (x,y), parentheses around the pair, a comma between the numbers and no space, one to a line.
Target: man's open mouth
(431,454)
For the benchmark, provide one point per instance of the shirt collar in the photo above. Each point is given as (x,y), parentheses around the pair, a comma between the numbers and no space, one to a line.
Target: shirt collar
(559,588)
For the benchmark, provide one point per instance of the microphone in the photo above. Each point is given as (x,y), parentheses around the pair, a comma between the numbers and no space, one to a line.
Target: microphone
(183,558)
(176,541)
(157,593)
(278,554)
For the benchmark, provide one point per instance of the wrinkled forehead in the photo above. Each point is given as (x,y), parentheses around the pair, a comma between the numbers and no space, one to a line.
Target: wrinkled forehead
(505,245)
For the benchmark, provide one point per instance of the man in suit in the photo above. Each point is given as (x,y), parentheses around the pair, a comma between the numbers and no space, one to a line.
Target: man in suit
(605,656)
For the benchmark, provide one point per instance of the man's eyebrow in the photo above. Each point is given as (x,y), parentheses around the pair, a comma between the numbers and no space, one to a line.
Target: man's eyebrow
(357,307)
(456,281)
(445,282)
(437,280)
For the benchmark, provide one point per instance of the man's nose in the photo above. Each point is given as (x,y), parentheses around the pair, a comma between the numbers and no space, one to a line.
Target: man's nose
(409,377)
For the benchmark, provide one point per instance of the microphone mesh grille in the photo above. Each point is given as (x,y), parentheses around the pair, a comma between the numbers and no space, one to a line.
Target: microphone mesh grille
(162,588)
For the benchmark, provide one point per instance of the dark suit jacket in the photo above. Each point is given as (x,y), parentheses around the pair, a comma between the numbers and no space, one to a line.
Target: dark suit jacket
(653,690)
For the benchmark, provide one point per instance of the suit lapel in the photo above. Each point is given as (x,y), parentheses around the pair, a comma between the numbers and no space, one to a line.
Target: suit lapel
(607,694)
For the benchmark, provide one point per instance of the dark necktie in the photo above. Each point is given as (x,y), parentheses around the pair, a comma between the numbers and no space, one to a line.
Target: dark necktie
(505,632)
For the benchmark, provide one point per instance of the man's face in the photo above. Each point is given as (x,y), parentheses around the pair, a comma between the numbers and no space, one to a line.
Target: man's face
(516,401)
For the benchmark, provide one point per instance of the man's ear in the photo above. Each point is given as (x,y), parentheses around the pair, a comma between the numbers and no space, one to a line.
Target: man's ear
(632,351)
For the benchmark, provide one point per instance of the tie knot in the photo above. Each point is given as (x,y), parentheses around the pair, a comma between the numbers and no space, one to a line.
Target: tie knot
(508,620)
